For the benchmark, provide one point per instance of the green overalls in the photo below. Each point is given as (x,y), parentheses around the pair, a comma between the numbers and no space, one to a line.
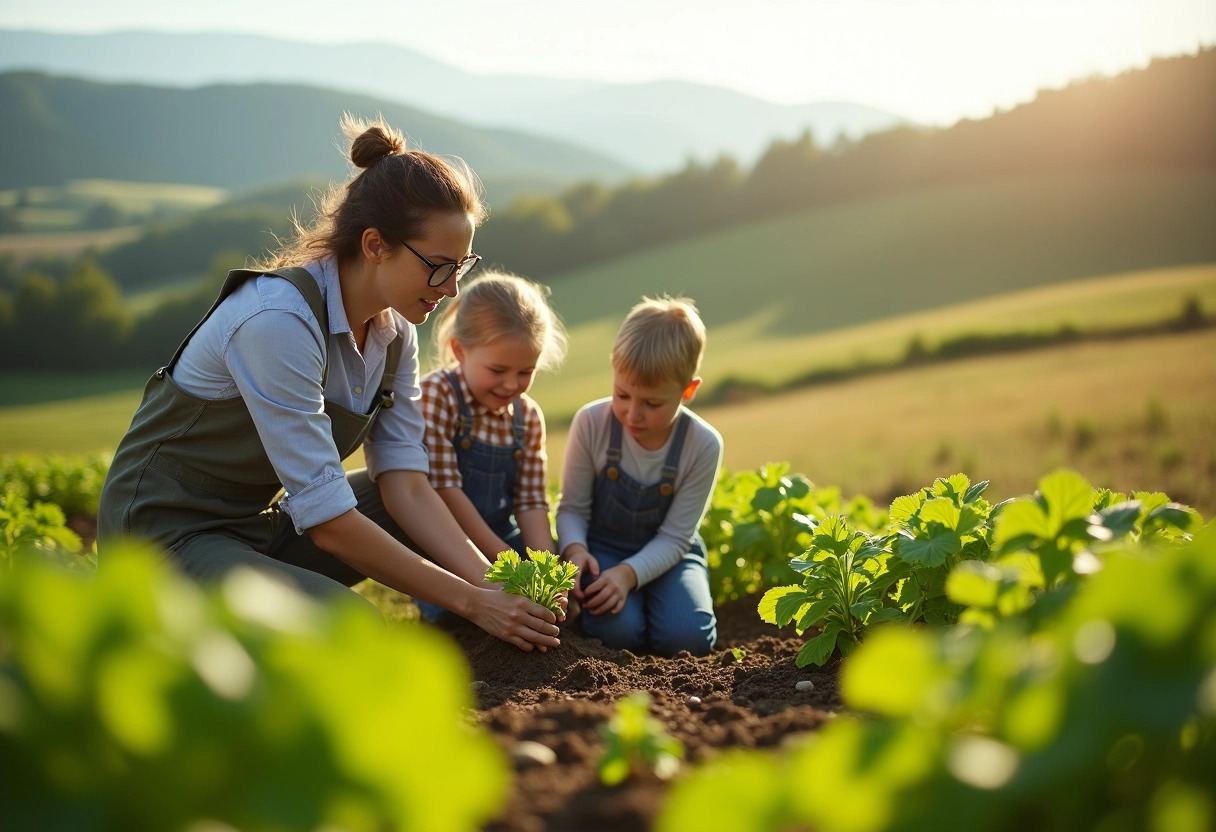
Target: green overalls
(192,477)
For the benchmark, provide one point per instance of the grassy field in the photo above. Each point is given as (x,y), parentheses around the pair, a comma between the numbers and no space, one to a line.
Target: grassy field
(750,349)
(1138,414)
(1134,414)
(873,259)
(64,208)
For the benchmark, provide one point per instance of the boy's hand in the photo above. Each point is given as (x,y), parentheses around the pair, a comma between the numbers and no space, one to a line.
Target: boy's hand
(607,593)
(580,557)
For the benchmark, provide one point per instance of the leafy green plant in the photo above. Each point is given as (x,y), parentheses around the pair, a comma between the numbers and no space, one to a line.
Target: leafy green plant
(37,530)
(1096,712)
(758,520)
(1066,521)
(71,482)
(933,530)
(542,578)
(845,573)
(635,741)
(132,699)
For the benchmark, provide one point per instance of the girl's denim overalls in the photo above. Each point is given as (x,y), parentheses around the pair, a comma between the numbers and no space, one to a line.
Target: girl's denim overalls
(487,476)
(488,472)
(674,612)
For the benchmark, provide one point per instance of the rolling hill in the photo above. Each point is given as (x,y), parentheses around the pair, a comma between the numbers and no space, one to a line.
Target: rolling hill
(651,127)
(243,136)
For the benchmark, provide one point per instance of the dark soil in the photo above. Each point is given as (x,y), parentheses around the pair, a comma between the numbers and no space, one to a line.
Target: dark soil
(560,698)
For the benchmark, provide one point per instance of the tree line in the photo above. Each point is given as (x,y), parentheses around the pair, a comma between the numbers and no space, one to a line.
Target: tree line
(71,316)
(1161,117)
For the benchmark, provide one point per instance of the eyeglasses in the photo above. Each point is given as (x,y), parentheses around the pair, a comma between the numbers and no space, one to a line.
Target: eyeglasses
(440,272)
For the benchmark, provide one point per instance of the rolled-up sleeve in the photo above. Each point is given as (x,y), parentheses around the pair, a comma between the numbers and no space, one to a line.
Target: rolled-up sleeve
(276,358)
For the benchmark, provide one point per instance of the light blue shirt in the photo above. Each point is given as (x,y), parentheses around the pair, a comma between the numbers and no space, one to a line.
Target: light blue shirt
(264,344)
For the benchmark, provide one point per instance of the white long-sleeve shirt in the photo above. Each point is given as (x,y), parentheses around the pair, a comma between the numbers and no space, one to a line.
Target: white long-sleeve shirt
(587,454)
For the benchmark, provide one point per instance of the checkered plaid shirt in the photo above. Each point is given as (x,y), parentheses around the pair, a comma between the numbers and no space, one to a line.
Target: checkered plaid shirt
(442,414)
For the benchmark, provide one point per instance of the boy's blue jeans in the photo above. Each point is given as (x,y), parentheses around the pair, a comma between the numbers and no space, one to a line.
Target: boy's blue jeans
(674,612)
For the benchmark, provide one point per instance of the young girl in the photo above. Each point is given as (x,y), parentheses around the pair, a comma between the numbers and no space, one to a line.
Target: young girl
(484,434)
(297,365)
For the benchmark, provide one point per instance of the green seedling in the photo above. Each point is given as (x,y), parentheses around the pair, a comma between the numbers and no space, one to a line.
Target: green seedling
(635,741)
(542,578)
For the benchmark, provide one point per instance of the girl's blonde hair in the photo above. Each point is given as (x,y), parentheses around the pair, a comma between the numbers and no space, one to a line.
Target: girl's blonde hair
(496,305)
(396,191)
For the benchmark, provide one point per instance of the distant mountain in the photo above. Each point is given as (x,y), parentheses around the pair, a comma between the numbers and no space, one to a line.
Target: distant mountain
(651,127)
(241,137)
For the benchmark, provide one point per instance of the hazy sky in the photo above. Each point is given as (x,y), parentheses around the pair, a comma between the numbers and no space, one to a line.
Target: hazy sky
(931,60)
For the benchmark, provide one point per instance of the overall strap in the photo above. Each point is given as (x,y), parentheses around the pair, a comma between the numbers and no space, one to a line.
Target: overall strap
(466,415)
(392,358)
(671,465)
(519,424)
(614,439)
(298,277)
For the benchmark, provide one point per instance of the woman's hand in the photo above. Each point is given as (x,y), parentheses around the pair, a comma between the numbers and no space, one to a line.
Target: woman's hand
(607,593)
(517,620)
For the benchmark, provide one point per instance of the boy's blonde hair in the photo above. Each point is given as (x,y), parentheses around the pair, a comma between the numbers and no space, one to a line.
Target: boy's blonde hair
(661,340)
(497,305)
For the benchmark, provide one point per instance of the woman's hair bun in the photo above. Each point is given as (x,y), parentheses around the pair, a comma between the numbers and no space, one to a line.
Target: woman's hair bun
(371,141)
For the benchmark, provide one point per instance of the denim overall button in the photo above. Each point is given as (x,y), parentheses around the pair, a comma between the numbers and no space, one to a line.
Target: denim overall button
(519,454)
(665,489)
(466,443)
(612,473)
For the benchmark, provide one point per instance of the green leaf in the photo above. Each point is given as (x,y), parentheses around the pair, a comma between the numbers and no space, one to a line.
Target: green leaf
(1068,496)
(799,487)
(819,649)
(891,653)
(974,583)
(768,602)
(969,520)
(749,535)
(1120,519)
(905,508)
(975,491)
(1020,520)
(940,510)
(932,550)
(1178,516)
(767,499)
(791,606)
(814,614)
(863,609)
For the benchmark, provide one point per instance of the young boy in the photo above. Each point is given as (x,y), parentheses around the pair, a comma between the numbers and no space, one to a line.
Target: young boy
(637,478)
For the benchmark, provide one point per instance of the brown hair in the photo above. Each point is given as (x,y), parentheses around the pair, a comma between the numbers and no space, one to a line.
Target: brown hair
(501,305)
(661,340)
(397,192)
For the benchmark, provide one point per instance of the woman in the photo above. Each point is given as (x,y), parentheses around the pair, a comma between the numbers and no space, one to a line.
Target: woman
(294,369)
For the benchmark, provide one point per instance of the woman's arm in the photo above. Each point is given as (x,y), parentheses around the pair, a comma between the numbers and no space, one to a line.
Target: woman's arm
(371,550)
(423,516)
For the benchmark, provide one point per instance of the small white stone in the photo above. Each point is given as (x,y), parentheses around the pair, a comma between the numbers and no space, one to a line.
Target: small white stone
(533,753)
(694,701)
(805,684)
